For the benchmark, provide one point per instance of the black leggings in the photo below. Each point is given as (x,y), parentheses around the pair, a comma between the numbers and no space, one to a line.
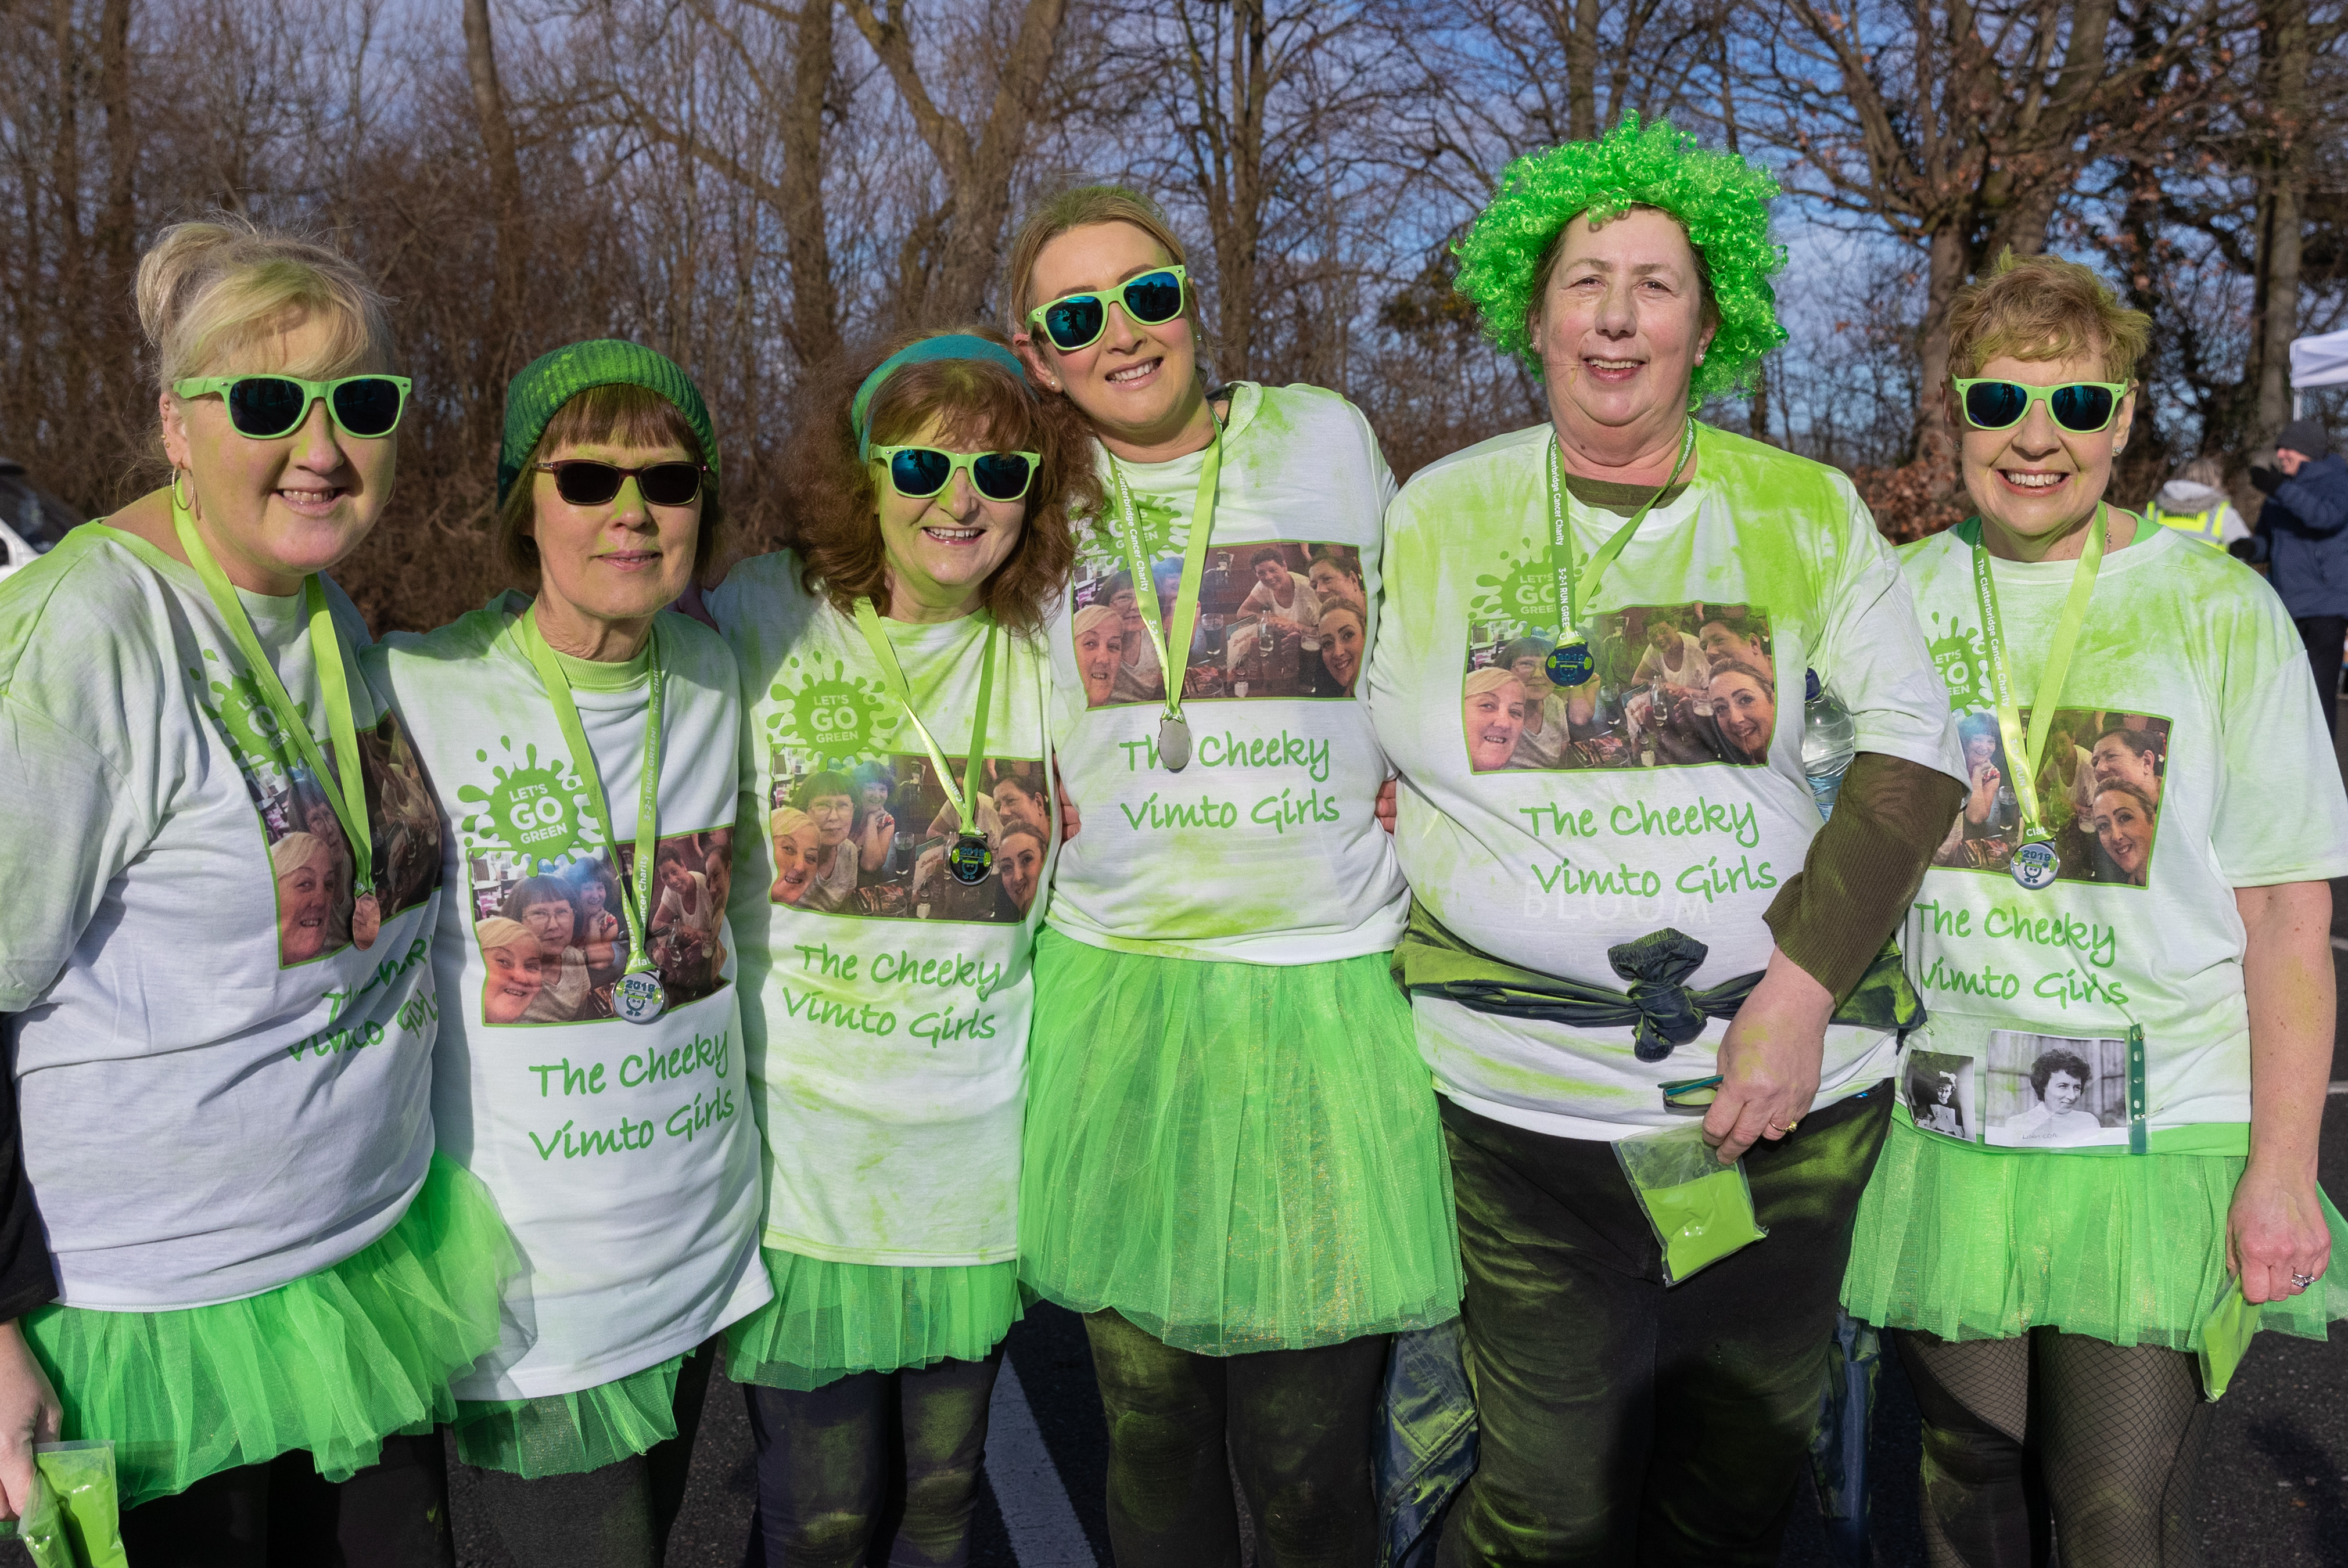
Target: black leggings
(282,1514)
(1297,1428)
(2108,1439)
(615,1517)
(877,1468)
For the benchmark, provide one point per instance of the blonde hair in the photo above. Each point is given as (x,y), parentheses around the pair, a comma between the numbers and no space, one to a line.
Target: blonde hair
(497,931)
(209,291)
(1090,616)
(1081,207)
(2043,308)
(294,851)
(1491,678)
(786,819)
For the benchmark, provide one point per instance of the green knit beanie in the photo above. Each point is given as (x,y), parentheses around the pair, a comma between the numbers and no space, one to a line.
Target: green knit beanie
(553,379)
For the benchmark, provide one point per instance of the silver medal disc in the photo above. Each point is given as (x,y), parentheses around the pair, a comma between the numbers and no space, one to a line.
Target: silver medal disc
(639,996)
(2036,865)
(1174,743)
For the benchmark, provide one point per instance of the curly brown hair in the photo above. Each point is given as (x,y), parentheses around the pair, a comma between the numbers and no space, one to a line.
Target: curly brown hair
(982,406)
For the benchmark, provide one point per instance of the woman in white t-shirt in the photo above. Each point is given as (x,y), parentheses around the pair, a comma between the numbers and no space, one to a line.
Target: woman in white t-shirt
(548,724)
(225,1097)
(1232,1162)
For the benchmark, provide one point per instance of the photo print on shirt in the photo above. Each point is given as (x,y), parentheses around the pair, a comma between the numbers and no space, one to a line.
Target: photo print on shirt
(871,838)
(2051,1090)
(1675,685)
(1285,618)
(2099,788)
(1940,1091)
(554,932)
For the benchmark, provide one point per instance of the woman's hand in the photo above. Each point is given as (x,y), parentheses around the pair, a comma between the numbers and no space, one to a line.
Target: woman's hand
(1068,820)
(2275,1230)
(1987,779)
(1769,1061)
(1385,808)
(29,1414)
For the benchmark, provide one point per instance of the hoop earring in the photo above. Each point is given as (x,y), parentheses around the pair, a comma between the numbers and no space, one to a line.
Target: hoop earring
(186,503)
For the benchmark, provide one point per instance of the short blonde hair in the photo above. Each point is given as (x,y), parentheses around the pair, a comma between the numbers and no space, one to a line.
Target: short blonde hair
(1090,616)
(1081,207)
(497,931)
(1491,678)
(2043,308)
(294,851)
(209,291)
(785,820)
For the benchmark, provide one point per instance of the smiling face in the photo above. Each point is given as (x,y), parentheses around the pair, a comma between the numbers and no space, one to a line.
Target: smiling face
(303,903)
(1020,864)
(1329,583)
(675,877)
(1746,711)
(1139,384)
(593,896)
(1662,636)
(942,550)
(2037,481)
(516,977)
(1495,718)
(1273,575)
(875,793)
(2115,761)
(1981,749)
(2124,830)
(1015,803)
(1618,329)
(833,816)
(1098,649)
(275,511)
(552,923)
(1341,646)
(794,853)
(2062,1091)
(1721,644)
(617,562)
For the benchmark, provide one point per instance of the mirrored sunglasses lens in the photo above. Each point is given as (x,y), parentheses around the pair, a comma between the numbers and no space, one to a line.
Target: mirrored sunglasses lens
(368,407)
(2082,408)
(587,484)
(1994,404)
(670,484)
(1075,322)
(262,406)
(1155,298)
(1001,475)
(920,472)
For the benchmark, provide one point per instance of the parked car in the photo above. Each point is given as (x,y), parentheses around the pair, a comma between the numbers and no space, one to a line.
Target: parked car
(32,520)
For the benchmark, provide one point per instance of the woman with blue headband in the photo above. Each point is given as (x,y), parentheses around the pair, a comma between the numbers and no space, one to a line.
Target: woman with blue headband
(1233,1167)
(886,1006)
(1650,921)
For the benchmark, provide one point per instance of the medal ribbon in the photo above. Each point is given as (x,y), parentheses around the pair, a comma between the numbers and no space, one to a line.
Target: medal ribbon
(1194,565)
(2029,750)
(636,892)
(965,800)
(346,791)
(1573,581)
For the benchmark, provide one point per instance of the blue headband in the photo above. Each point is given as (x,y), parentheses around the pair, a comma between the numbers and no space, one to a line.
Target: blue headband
(953,345)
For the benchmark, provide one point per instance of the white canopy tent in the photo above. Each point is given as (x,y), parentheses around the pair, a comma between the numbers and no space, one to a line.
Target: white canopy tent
(2320,361)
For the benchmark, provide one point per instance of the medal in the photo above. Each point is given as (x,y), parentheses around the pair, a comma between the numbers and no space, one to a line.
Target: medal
(970,857)
(639,996)
(1173,729)
(2036,864)
(1571,662)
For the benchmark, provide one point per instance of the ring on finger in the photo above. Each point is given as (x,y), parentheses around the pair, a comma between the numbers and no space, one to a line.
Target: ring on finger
(2301,1281)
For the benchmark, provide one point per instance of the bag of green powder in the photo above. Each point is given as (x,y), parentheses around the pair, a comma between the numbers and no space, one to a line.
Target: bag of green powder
(75,1518)
(1700,1210)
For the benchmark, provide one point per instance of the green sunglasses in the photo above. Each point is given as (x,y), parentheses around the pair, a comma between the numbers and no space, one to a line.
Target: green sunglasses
(2081,407)
(264,407)
(917,472)
(1077,321)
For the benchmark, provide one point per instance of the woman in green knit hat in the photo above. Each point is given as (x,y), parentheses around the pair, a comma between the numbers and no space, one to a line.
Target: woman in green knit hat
(589,1069)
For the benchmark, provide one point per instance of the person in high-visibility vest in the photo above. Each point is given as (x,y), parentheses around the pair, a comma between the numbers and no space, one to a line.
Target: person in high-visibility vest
(2194,503)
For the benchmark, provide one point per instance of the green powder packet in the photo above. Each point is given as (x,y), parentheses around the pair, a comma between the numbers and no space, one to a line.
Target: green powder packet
(1700,1210)
(75,1518)
(2226,1339)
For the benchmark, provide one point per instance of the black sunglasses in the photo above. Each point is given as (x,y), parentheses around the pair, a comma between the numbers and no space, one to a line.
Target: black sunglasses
(584,483)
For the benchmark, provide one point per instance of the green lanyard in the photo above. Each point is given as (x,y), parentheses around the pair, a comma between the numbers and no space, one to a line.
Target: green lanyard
(1173,729)
(345,791)
(1570,662)
(636,893)
(2027,751)
(963,800)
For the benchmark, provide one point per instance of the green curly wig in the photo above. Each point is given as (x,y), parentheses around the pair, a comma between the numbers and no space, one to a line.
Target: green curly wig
(1719,198)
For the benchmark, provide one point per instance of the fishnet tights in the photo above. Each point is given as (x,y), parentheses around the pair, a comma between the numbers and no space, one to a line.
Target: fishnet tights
(2107,1438)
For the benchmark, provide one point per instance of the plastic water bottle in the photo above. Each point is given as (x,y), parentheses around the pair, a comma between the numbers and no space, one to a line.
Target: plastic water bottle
(1828,738)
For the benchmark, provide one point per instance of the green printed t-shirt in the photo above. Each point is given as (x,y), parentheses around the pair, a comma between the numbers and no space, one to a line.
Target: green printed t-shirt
(623,1157)
(886,1004)
(1266,849)
(1671,792)
(2187,758)
(221,1094)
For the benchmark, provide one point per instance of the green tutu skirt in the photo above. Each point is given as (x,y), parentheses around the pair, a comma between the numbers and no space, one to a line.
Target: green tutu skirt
(332,1363)
(571,1434)
(830,1320)
(1968,1243)
(1236,1157)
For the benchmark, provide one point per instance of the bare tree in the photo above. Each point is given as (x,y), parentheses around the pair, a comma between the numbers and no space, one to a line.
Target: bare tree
(498,337)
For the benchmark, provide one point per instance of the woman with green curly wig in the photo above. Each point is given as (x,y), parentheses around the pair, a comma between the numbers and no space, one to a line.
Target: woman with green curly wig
(1594,945)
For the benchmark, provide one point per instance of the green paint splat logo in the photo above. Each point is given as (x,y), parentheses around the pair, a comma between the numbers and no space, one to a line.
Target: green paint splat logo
(1161,535)
(1523,590)
(838,716)
(531,808)
(252,728)
(1964,668)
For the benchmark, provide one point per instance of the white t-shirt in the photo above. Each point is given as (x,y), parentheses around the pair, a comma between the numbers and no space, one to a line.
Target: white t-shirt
(624,1156)
(1687,819)
(218,1096)
(2190,693)
(887,1029)
(1265,849)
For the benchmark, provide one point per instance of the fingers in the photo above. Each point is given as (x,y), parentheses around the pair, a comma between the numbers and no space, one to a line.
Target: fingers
(16,1475)
(1386,807)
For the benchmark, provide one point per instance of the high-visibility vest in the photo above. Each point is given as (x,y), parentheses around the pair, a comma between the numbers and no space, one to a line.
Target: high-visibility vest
(2208,527)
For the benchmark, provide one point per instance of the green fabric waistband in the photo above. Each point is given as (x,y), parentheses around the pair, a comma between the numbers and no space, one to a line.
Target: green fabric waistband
(2231,1139)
